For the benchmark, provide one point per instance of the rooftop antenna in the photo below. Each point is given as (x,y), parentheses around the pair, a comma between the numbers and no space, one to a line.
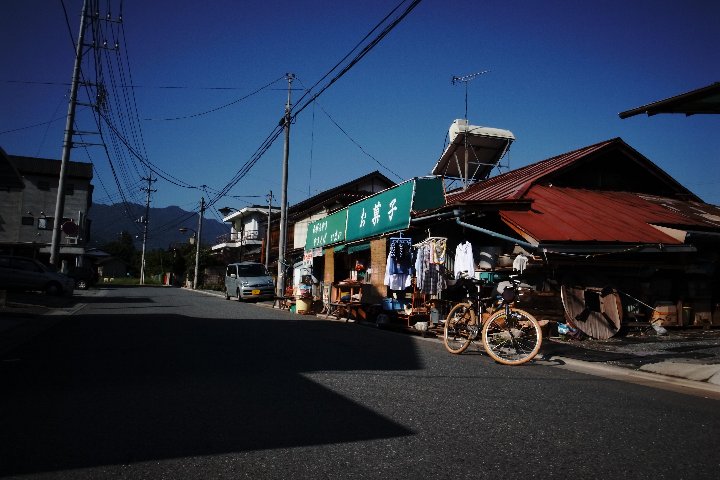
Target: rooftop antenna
(466,79)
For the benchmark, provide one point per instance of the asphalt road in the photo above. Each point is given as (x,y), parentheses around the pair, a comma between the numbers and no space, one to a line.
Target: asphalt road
(166,383)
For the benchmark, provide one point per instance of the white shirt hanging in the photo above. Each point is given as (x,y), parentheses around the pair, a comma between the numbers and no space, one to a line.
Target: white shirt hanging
(520,262)
(464,260)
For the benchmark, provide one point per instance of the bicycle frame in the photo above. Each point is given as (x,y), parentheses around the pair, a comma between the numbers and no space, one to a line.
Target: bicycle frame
(510,336)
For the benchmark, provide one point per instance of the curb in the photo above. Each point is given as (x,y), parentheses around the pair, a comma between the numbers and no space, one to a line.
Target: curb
(613,372)
(691,371)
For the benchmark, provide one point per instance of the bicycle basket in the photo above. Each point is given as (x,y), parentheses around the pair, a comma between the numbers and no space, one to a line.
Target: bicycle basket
(508,294)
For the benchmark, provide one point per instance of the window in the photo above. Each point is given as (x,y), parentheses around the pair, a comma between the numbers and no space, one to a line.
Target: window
(28,221)
(45,223)
(24,264)
(43,185)
(252,270)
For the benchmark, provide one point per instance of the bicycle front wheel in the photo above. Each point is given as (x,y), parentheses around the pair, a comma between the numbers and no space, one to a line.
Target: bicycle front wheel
(512,339)
(460,328)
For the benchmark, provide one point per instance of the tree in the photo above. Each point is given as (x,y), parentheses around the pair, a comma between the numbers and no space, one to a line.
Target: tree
(124,249)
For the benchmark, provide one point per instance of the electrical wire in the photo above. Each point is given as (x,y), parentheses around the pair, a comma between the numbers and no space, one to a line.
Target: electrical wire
(364,51)
(334,122)
(212,110)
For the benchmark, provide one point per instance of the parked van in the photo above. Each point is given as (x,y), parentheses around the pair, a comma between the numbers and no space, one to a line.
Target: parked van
(21,273)
(248,281)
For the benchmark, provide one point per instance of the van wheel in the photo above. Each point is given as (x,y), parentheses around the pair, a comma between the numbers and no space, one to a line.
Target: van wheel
(53,288)
(238,296)
(227,294)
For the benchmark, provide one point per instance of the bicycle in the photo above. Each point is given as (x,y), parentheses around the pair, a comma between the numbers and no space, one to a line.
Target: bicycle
(510,336)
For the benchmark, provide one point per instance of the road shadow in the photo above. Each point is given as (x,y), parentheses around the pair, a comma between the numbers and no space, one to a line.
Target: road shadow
(107,390)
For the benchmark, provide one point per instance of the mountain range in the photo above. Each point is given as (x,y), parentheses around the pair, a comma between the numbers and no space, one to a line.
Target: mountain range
(109,221)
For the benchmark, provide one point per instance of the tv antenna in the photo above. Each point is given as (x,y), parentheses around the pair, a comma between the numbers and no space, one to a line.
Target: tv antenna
(466,79)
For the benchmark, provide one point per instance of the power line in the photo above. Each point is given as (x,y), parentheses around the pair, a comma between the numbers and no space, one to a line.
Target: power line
(220,107)
(270,139)
(365,50)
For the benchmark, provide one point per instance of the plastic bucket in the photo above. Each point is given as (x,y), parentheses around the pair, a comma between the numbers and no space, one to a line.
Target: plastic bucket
(303,305)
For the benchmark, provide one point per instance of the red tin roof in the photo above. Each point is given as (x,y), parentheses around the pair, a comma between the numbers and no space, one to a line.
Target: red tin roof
(547,201)
(514,184)
(567,214)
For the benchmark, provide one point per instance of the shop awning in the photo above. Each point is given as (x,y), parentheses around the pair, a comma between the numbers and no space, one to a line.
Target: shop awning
(339,248)
(390,210)
(359,247)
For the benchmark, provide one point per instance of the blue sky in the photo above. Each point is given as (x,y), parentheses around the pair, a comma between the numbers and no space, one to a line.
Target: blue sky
(559,73)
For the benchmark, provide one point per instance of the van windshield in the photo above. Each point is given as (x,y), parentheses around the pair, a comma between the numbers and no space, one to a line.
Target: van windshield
(253,270)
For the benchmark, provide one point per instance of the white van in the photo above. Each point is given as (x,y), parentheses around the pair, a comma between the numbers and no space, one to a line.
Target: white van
(248,281)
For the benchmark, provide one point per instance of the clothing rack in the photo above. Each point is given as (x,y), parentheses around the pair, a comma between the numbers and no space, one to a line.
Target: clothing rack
(401,238)
(428,240)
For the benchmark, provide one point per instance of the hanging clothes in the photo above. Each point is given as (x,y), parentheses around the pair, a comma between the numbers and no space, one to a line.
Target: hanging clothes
(429,266)
(464,260)
(520,263)
(394,280)
(438,249)
(400,256)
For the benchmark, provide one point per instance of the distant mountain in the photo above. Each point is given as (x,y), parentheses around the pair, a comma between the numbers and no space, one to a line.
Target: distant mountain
(108,221)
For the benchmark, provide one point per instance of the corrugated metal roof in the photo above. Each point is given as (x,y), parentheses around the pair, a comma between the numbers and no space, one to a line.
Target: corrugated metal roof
(701,100)
(575,215)
(513,185)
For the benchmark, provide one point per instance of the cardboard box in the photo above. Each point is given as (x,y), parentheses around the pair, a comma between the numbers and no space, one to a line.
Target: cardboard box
(665,314)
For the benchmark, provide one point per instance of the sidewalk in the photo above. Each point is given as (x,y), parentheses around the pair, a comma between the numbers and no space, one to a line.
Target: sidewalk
(692,354)
(689,354)
(25,315)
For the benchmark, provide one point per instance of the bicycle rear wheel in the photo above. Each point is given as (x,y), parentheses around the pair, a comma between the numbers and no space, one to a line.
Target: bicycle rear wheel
(512,339)
(460,328)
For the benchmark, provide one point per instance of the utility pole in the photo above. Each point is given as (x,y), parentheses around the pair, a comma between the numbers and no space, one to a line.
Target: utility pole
(267,234)
(67,143)
(145,221)
(197,242)
(280,288)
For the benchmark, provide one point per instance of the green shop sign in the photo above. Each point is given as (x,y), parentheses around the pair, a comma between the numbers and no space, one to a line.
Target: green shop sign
(384,212)
(389,211)
(326,231)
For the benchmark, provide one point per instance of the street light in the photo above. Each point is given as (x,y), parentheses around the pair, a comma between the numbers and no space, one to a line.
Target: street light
(197,254)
